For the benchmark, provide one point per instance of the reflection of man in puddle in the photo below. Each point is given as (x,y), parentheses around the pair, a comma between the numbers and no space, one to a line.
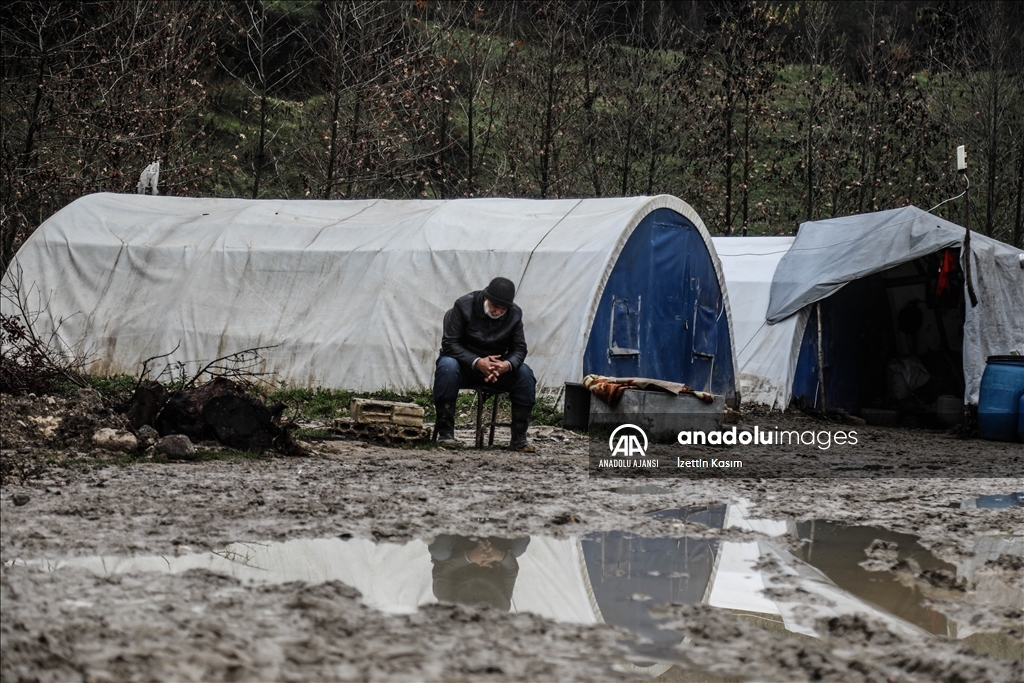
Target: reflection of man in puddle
(472,571)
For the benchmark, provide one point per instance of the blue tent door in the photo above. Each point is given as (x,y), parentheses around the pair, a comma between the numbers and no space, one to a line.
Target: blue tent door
(661,313)
(844,345)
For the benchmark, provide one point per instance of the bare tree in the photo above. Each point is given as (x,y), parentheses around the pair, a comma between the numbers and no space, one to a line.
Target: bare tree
(382,124)
(91,94)
(351,34)
(743,52)
(821,86)
(36,355)
(546,97)
(472,44)
(268,55)
(979,100)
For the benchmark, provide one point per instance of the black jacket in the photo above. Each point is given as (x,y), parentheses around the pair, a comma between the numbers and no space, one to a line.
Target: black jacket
(456,579)
(470,334)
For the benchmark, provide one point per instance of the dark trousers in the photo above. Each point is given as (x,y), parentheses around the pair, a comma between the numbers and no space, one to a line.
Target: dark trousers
(450,376)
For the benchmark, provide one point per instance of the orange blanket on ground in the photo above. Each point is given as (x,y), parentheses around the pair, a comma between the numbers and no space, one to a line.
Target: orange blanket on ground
(610,389)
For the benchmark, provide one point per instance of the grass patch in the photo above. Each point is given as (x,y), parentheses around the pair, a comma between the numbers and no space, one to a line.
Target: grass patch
(312,404)
(320,403)
(545,412)
(117,390)
(307,434)
(304,404)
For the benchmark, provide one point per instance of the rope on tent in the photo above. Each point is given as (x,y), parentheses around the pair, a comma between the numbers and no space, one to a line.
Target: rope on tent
(541,241)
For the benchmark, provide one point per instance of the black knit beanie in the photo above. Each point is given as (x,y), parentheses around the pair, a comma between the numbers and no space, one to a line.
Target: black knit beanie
(501,291)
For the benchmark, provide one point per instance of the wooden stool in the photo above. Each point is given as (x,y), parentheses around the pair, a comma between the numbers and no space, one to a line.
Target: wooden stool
(481,398)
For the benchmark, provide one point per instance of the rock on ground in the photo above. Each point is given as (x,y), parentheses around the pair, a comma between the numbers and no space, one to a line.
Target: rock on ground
(115,440)
(176,447)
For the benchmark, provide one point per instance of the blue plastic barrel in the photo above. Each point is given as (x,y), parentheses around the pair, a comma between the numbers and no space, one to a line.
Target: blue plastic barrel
(1002,387)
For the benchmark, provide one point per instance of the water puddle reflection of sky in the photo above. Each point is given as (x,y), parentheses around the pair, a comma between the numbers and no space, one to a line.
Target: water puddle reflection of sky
(611,577)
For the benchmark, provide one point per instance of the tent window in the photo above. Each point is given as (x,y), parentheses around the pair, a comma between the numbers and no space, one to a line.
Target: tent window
(624,336)
(705,332)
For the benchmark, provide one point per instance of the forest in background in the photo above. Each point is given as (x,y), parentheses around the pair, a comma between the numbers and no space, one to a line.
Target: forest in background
(759,114)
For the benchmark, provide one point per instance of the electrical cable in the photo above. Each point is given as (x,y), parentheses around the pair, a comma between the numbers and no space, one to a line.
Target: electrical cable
(952,198)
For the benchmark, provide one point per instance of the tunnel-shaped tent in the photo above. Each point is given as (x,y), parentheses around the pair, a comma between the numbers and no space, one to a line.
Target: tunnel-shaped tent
(766,354)
(833,259)
(351,294)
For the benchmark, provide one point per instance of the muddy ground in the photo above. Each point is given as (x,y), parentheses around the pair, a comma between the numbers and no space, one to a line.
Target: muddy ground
(79,626)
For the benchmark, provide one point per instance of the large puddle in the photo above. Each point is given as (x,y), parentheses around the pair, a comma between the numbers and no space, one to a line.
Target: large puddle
(839,552)
(617,577)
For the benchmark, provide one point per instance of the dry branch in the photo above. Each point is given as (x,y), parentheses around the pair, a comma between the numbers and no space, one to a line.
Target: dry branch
(31,361)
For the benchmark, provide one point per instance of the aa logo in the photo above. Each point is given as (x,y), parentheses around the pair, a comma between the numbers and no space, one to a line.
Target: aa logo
(625,442)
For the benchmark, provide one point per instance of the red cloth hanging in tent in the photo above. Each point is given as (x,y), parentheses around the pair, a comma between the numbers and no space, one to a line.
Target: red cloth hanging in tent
(947,267)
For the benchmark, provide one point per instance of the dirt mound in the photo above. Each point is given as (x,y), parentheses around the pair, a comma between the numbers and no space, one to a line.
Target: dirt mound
(203,626)
(42,432)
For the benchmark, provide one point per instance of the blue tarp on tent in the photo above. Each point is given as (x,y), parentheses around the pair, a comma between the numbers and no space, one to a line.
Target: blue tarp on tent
(662,314)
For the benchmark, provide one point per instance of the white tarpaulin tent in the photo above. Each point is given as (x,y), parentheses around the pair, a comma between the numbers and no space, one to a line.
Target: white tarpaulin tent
(352,292)
(766,354)
(831,253)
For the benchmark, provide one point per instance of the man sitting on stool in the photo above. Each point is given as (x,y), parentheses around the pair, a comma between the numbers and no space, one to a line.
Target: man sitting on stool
(483,347)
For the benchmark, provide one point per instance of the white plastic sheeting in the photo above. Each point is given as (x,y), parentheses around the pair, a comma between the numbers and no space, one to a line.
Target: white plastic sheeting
(553,582)
(394,578)
(353,292)
(828,254)
(766,354)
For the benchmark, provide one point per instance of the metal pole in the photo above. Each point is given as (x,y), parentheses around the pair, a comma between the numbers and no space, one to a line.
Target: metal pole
(821,357)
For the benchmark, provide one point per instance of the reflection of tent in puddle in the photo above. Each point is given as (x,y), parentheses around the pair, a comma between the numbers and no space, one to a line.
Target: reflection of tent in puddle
(994,502)
(838,551)
(629,574)
(614,577)
(393,578)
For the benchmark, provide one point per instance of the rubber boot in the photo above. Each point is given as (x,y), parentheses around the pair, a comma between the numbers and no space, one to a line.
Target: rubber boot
(444,425)
(520,425)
